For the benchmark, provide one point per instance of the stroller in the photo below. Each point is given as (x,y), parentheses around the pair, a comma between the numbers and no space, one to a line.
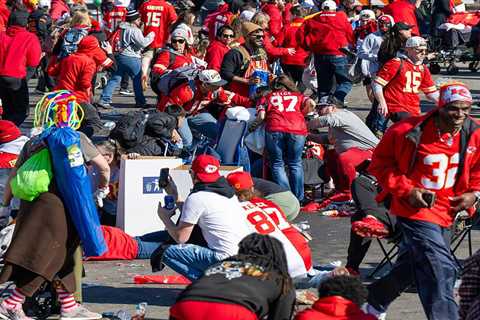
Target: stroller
(456,42)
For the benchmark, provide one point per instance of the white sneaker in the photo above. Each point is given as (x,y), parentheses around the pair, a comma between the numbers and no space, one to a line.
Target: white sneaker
(80,313)
(369,309)
(13,314)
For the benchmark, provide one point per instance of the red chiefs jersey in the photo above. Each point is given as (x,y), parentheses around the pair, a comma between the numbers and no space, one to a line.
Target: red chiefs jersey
(157,16)
(435,169)
(112,19)
(169,60)
(216,20)
(284,112)
(265,217)
(7,160)
(401,87)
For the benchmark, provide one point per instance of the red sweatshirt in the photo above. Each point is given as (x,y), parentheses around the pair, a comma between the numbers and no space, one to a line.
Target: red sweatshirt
(326,33)
(275,24)
(58,9)
(403,11)
(334,308)
(287,39)
(215,53)
(272,51)
(19,49)
(75,72)
(4,14)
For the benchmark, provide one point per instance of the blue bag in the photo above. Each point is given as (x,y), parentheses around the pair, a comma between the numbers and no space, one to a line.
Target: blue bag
(75,188)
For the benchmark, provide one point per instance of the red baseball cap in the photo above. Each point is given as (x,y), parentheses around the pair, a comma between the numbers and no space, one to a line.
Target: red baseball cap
(206,168)
(240,180)
(8,131)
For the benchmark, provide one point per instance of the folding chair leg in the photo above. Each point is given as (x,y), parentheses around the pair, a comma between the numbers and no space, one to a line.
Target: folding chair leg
(386,259)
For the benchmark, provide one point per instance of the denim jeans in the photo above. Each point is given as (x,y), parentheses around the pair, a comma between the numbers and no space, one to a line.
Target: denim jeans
(288,146)
(332,70)
(126,65)
(425,258)
(203,123)
(149,242)
(190,260)
(375,121)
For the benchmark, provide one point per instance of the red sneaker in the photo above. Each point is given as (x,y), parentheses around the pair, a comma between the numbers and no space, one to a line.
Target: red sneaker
(370,227)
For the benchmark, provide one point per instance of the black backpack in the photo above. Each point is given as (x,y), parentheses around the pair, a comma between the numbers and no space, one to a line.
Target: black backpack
(130,129)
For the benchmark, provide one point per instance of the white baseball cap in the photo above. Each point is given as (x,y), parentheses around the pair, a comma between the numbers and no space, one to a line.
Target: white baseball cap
(415,42)
(211,77)
(307,4)
(329,5)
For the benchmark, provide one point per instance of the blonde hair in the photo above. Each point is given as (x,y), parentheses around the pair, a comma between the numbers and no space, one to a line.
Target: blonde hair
(81,17)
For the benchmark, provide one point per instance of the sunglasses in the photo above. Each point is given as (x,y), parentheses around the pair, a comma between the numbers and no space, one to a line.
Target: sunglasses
(424,51)
(181,41)
(257,36)
(228,36)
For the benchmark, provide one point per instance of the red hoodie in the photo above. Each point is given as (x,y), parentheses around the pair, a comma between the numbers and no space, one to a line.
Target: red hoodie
(326,33)
(275,24)
(334,308)
(288,39)
(217,19)
(58,9)
(215,53)
(4,15)
(403,11)
(75,72)
(19,49)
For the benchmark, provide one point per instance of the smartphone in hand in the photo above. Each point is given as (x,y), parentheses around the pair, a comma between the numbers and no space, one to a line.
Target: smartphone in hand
(164,178)
(429,198)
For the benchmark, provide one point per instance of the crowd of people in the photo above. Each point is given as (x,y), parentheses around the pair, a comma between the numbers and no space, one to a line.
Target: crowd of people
(286,70)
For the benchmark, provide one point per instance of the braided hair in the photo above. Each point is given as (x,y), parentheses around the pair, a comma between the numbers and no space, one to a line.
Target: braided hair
(266,252)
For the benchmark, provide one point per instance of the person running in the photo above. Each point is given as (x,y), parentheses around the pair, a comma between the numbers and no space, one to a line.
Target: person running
(254,284)
(431,175)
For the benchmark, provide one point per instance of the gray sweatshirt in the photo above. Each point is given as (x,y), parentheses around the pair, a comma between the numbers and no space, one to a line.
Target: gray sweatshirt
(368,52)
(347,129)
(133,41)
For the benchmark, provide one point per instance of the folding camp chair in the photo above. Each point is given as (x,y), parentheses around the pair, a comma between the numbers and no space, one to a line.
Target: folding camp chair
(462,228)
(231,147)
(388,255)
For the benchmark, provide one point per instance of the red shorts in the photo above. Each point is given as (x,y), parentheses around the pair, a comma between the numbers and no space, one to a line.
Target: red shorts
(203,310)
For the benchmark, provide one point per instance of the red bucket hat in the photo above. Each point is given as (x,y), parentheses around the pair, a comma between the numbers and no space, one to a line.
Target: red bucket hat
(206,168)
(8,131)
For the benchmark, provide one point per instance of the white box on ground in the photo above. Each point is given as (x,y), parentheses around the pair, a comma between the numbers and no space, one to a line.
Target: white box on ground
(139,192)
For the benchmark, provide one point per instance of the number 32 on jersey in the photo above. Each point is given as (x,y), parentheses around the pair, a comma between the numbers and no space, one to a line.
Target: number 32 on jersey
(442,171)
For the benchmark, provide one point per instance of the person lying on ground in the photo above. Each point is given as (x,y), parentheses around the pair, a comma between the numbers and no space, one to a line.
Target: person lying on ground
(254,284)
(340,298)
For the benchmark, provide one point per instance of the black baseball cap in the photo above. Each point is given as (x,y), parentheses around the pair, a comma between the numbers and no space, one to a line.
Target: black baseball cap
(402,26)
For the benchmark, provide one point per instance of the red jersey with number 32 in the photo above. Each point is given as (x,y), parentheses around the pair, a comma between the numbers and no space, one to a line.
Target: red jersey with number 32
(435,169)
(157,16)
(402,87)
(284,112)
(265,217)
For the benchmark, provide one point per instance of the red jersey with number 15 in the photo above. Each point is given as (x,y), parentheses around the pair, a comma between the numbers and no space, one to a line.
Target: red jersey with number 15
(401,87)
(265,217)
(157,16)
(284,112)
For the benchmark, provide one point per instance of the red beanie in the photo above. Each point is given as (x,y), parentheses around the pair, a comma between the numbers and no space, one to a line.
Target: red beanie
(8,131)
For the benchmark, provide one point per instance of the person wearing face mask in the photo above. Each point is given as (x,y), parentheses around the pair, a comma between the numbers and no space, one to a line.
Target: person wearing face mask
(219,47)
(240,63)
(128,59)
(399,81)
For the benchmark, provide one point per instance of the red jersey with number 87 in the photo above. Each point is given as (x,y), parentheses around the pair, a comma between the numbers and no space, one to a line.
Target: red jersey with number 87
(157,16)
(284,112)
(435,169)
(402,87)
(264,217)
